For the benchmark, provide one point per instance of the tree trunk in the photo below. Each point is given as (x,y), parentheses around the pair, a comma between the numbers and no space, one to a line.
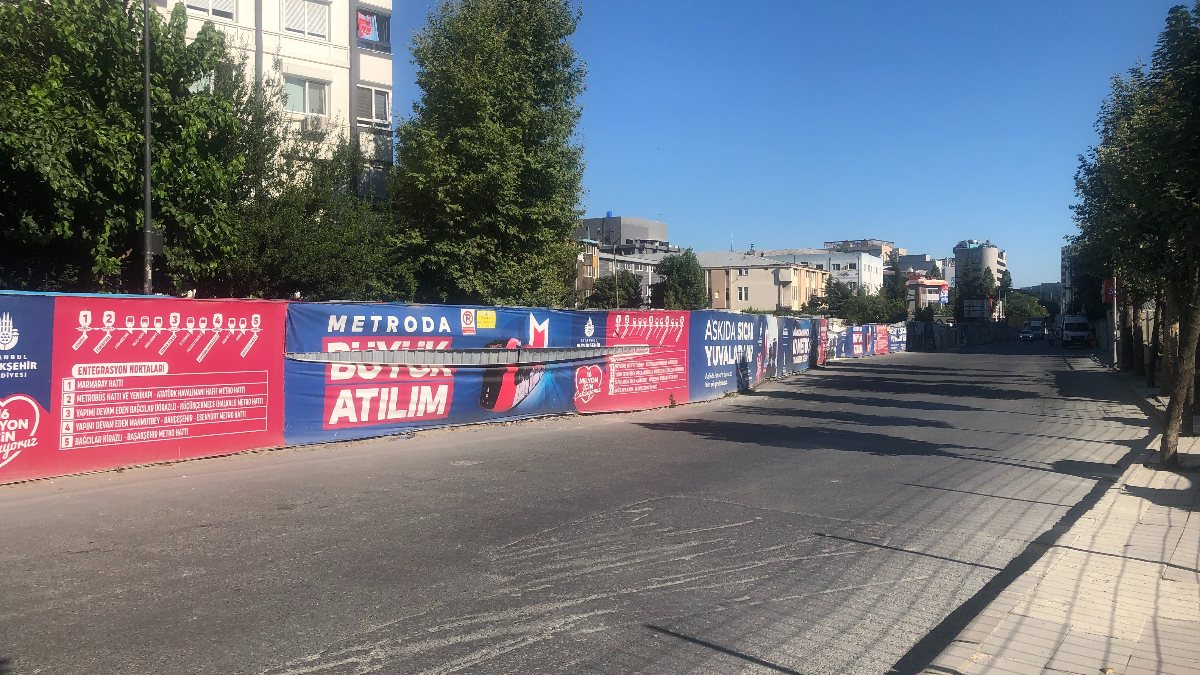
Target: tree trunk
(1170,343)
(1184,371)
(1155,344)
(1126,346)
(1139,344)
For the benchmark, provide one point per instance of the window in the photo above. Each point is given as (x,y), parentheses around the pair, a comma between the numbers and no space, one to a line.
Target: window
(374,31)
(820,266)
(837,267)
(743,292)
(306,96)
(219,8)
(852,266)
(372,105)
(306,17)
(743,272)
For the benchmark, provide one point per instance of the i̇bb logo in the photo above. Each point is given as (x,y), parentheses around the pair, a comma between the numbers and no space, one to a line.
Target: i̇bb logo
(588,382)
(19,418)
(467,317)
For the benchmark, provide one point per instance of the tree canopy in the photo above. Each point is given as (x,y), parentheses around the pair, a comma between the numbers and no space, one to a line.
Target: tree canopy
(624,289)
(683,284)
(488,179)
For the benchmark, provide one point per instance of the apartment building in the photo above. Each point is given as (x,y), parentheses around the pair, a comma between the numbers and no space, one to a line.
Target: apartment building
(333,56)
(738,281)
(876,247)
(856,269)
(980,255)
(625,235)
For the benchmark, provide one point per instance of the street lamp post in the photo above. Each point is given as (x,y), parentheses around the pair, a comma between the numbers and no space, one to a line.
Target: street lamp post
(147,216)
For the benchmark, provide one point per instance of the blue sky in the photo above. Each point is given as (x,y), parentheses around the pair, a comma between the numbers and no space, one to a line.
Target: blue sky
(789,123)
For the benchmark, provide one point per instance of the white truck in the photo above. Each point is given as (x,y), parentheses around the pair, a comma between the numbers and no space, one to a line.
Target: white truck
(1075,330)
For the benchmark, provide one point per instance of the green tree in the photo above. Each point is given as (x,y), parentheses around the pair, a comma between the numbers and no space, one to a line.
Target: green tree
(1139,197)
(1006,283)
(624,289)
(683,284)
(893,284)
(488,181)
(863,307)
(71,137)
(1021,306)
(314,236)
(935,272)
(836,295)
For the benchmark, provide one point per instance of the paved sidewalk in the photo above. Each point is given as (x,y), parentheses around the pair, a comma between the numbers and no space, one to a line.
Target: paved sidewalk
(1117,593)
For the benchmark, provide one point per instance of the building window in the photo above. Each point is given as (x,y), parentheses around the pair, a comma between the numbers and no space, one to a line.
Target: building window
(743,272)
(837,267)
(743,293)
(219,8)
(820,266)
(372,105)
(306,96)
(852,266)
(374,31)
(306,17)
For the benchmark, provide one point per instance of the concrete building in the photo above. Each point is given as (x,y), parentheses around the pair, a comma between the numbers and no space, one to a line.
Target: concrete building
(644,267)
(624,235)
(738,281)
(1066,267)
(921,291)
(334,59)
(876,247)
(587,270)
(980,255)
(923,262)
(856,269)
(1048,292)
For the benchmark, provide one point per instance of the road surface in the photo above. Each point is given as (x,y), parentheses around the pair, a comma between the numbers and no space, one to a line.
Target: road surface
(845,521)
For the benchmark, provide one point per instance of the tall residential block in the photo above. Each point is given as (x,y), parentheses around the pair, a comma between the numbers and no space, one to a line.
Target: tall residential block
(333,56)
(980,255)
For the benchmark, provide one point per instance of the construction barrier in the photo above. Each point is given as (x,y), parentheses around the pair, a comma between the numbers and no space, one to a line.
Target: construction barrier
(92,382)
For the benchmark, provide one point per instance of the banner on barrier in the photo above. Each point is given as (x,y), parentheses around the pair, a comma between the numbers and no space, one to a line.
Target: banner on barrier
(728,353)
(330,401)
(125,380)
(635,382)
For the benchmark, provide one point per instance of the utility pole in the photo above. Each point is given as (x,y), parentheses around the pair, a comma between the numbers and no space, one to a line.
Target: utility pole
(147,216)
(1116,332)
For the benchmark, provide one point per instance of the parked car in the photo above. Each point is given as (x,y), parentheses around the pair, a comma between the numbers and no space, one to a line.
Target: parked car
(1028,335)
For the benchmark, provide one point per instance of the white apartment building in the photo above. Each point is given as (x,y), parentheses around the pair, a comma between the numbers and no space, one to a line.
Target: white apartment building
(856,269)
(334,56)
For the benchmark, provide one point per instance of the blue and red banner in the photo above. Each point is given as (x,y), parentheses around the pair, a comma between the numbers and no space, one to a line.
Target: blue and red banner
(91,382)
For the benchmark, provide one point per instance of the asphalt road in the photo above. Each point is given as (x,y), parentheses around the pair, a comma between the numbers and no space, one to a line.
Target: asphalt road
(847,521)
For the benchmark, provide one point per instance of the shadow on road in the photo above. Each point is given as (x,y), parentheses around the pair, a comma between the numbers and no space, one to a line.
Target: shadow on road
(724,650)
(892,385)
(845,416)
(818,398)
(848,440)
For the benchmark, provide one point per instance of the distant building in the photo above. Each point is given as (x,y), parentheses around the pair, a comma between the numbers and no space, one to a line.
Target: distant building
(1048,292)
(624,235)
(1067,273)
(923,262)
(739,281)
(921,291)
(644,267)
(981,255)
(587,270)
(876,247)
(855,269)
